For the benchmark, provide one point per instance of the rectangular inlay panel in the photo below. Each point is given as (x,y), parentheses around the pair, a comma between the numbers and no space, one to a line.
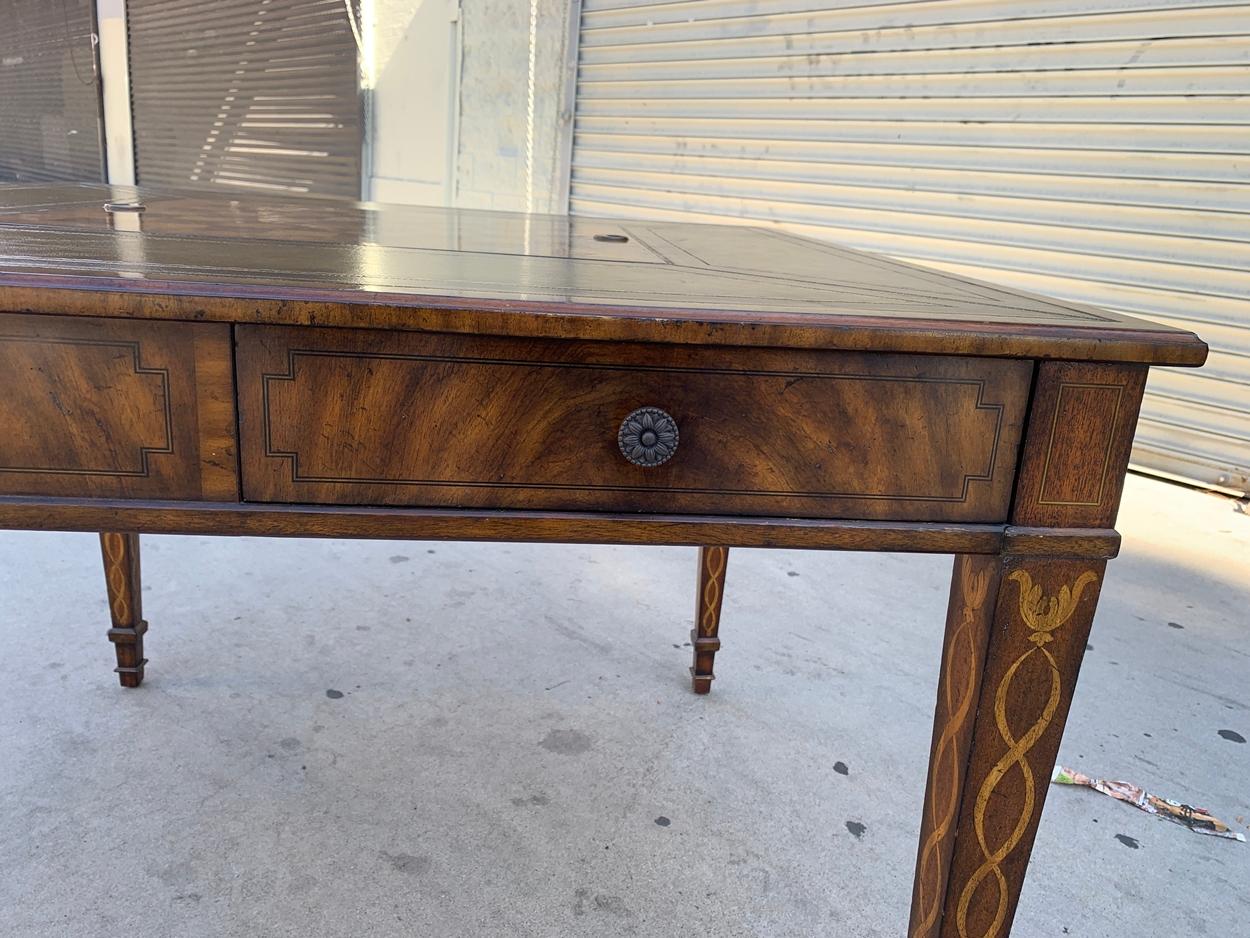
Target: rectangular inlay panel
(114,408)
(1079,438)
(367,417)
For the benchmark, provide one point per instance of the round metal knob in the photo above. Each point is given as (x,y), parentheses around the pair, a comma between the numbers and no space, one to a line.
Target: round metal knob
(648,437)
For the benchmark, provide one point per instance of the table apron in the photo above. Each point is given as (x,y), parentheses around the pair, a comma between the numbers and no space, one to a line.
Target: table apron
(235,519)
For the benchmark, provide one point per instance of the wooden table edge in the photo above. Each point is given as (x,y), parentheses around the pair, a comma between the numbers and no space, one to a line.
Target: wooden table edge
(280,305)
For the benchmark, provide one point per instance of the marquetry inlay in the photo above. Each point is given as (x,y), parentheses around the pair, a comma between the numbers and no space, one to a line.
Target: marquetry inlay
(1072,432)
(1042,615)
(960,683)
(80,381)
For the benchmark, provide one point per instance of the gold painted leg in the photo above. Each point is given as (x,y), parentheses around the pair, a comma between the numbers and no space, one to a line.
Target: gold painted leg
(121,574)
(704,636)
(1040,622)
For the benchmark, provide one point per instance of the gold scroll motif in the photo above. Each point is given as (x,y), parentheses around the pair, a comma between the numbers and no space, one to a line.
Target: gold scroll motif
(116,575)
(713,570)
(1043,615)
(959,696)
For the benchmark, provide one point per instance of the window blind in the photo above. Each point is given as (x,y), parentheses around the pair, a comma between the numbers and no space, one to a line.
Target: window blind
(256,94)
(49,93)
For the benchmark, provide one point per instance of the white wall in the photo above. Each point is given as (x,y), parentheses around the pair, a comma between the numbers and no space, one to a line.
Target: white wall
(468,102)
(115,88)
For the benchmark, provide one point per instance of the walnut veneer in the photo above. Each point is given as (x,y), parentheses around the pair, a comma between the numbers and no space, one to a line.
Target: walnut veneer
(306,367)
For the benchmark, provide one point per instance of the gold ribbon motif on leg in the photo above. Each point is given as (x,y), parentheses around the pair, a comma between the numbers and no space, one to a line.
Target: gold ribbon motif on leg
(714,568)
(116,575)
(961,650)
(1043,615)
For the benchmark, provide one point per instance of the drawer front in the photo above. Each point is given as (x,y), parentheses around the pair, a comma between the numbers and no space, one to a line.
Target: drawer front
(337,416)
(116,409)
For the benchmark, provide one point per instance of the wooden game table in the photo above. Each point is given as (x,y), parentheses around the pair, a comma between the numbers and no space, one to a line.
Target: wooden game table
(193,364)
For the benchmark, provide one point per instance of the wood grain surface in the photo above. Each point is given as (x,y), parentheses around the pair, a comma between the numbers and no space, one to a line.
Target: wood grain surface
(1080,435)
(115,408)
(339,416)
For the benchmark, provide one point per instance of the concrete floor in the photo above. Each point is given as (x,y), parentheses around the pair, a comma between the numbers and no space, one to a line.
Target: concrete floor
(353,738)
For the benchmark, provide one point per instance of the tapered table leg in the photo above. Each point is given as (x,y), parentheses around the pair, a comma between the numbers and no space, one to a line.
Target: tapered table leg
(982,811)
(970,613)
(704,636)
(121,574)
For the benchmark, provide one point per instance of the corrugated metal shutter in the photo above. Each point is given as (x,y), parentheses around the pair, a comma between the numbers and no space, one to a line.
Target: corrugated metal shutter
(252,93)
(49,93)
(1093,150)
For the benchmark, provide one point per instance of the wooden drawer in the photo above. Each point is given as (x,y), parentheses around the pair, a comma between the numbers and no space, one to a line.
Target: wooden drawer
(337,416)
(116,409)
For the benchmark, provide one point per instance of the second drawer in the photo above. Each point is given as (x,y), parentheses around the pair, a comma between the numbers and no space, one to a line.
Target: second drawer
(336,416)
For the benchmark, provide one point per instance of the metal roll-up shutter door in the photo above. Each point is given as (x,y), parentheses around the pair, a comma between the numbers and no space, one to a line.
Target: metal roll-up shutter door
(1092,150)
(49,93)
(261,94)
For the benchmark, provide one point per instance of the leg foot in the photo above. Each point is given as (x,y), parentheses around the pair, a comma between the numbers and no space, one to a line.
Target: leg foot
(121,575)
(704,637)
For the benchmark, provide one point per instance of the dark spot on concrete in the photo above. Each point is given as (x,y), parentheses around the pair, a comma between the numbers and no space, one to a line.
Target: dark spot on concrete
(792,573)
(662,821)
(841,769)
(362,628)
(429,551)
(677,646)
(1175,625)
(1127,840)
(1089,647)
(566,742)
(399,558)
(188,897)
(334,694)
(289,744)
(55,664)
(407,863)
(857,829)
(1147,735)
(613,905)
(540,800)
(1232,736)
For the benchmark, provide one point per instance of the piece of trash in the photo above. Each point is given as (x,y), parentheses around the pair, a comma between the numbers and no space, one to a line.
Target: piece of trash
(1198,820)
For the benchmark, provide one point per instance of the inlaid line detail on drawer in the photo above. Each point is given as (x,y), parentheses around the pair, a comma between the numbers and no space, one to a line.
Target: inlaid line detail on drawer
(1097,479)
(960,495)
(144,453)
